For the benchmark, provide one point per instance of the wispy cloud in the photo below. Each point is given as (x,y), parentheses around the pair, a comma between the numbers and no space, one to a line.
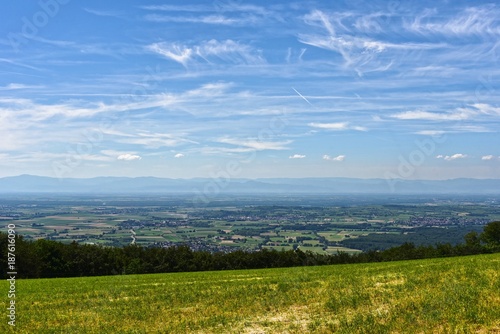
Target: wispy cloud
(477,21)
(21,64)
(129,157)
(431,116)
(255,144)
(486,109)
(209,19)
(363,54)
(155,140)
(475,111)
(230,78)
(430,132)
(226,52)
(340,126)
(219,13)
(15,86)
(179,8)
(77,109)
(217,6)
(175,52)
(330,126)
(107,13)
(337,158)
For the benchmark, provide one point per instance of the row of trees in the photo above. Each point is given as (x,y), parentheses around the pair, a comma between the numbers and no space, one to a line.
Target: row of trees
(47,258)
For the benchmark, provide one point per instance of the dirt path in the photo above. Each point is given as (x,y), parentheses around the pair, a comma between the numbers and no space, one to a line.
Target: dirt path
(133,234)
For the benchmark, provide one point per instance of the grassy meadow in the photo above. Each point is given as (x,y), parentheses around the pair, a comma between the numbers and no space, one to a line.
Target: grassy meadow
(448,295)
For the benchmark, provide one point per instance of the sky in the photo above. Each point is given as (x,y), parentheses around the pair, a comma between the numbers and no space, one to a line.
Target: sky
(250,89)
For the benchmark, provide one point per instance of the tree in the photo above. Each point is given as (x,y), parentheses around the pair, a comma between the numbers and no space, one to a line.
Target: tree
(491,234)
(472,243)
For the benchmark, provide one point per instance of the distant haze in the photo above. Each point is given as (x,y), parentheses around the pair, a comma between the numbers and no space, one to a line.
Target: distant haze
(206,188)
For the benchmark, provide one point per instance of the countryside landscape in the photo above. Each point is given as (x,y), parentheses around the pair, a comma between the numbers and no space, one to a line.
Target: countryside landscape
(318,223)
(335,263)
(250,167)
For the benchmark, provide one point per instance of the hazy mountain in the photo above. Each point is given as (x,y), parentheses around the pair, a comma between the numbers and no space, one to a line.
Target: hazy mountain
(210,187)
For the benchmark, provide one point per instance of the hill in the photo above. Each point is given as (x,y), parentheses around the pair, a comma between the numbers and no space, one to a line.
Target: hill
(421,296)
(206,187)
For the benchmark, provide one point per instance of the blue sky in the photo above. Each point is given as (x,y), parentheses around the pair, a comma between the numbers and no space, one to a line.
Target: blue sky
(368,89)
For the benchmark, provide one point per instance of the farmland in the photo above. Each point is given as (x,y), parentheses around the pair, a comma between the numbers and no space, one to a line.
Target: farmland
(456,295)
(322,224)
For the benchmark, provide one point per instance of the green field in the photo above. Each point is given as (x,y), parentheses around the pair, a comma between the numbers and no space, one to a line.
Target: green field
(319,224)
(449,295)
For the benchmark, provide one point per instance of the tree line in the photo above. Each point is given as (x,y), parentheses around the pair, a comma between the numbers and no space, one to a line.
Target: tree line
(47,258)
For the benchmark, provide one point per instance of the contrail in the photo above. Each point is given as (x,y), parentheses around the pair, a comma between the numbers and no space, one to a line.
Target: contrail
(302,96)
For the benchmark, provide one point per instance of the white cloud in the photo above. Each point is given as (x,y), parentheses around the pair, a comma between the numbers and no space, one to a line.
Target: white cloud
(228,51)
(486,109)
(178,8)
(430,132)
(470,128)
(120,155)
(488,157)
(258,145)
(471,21)
(103,12)
(297,156)
(155,140)
(340,126)
(330,126)
(129,157)
(14,86)
(175,52)
(337,158)
(341,33)
(452,157)
(209,90)
(218,6)
(179,155)
(208,19)
(359,128)
(460,115)
(36,157)
(95,157)
(36,112)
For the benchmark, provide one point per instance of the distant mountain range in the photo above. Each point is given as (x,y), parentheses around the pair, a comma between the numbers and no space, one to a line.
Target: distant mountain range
(210,187)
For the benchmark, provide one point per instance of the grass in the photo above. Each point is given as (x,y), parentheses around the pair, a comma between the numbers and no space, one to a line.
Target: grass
(451,295)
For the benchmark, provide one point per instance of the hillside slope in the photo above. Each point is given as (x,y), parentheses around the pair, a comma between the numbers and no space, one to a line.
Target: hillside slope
(423,296)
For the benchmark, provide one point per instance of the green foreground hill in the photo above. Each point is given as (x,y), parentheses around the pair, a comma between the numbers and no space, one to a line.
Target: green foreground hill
(447,295)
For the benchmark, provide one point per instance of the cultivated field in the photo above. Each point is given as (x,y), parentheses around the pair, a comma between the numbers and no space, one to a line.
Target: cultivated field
(322,225)
(452,295)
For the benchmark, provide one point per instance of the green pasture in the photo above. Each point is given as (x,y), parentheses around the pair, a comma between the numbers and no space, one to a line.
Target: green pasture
(450,295)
